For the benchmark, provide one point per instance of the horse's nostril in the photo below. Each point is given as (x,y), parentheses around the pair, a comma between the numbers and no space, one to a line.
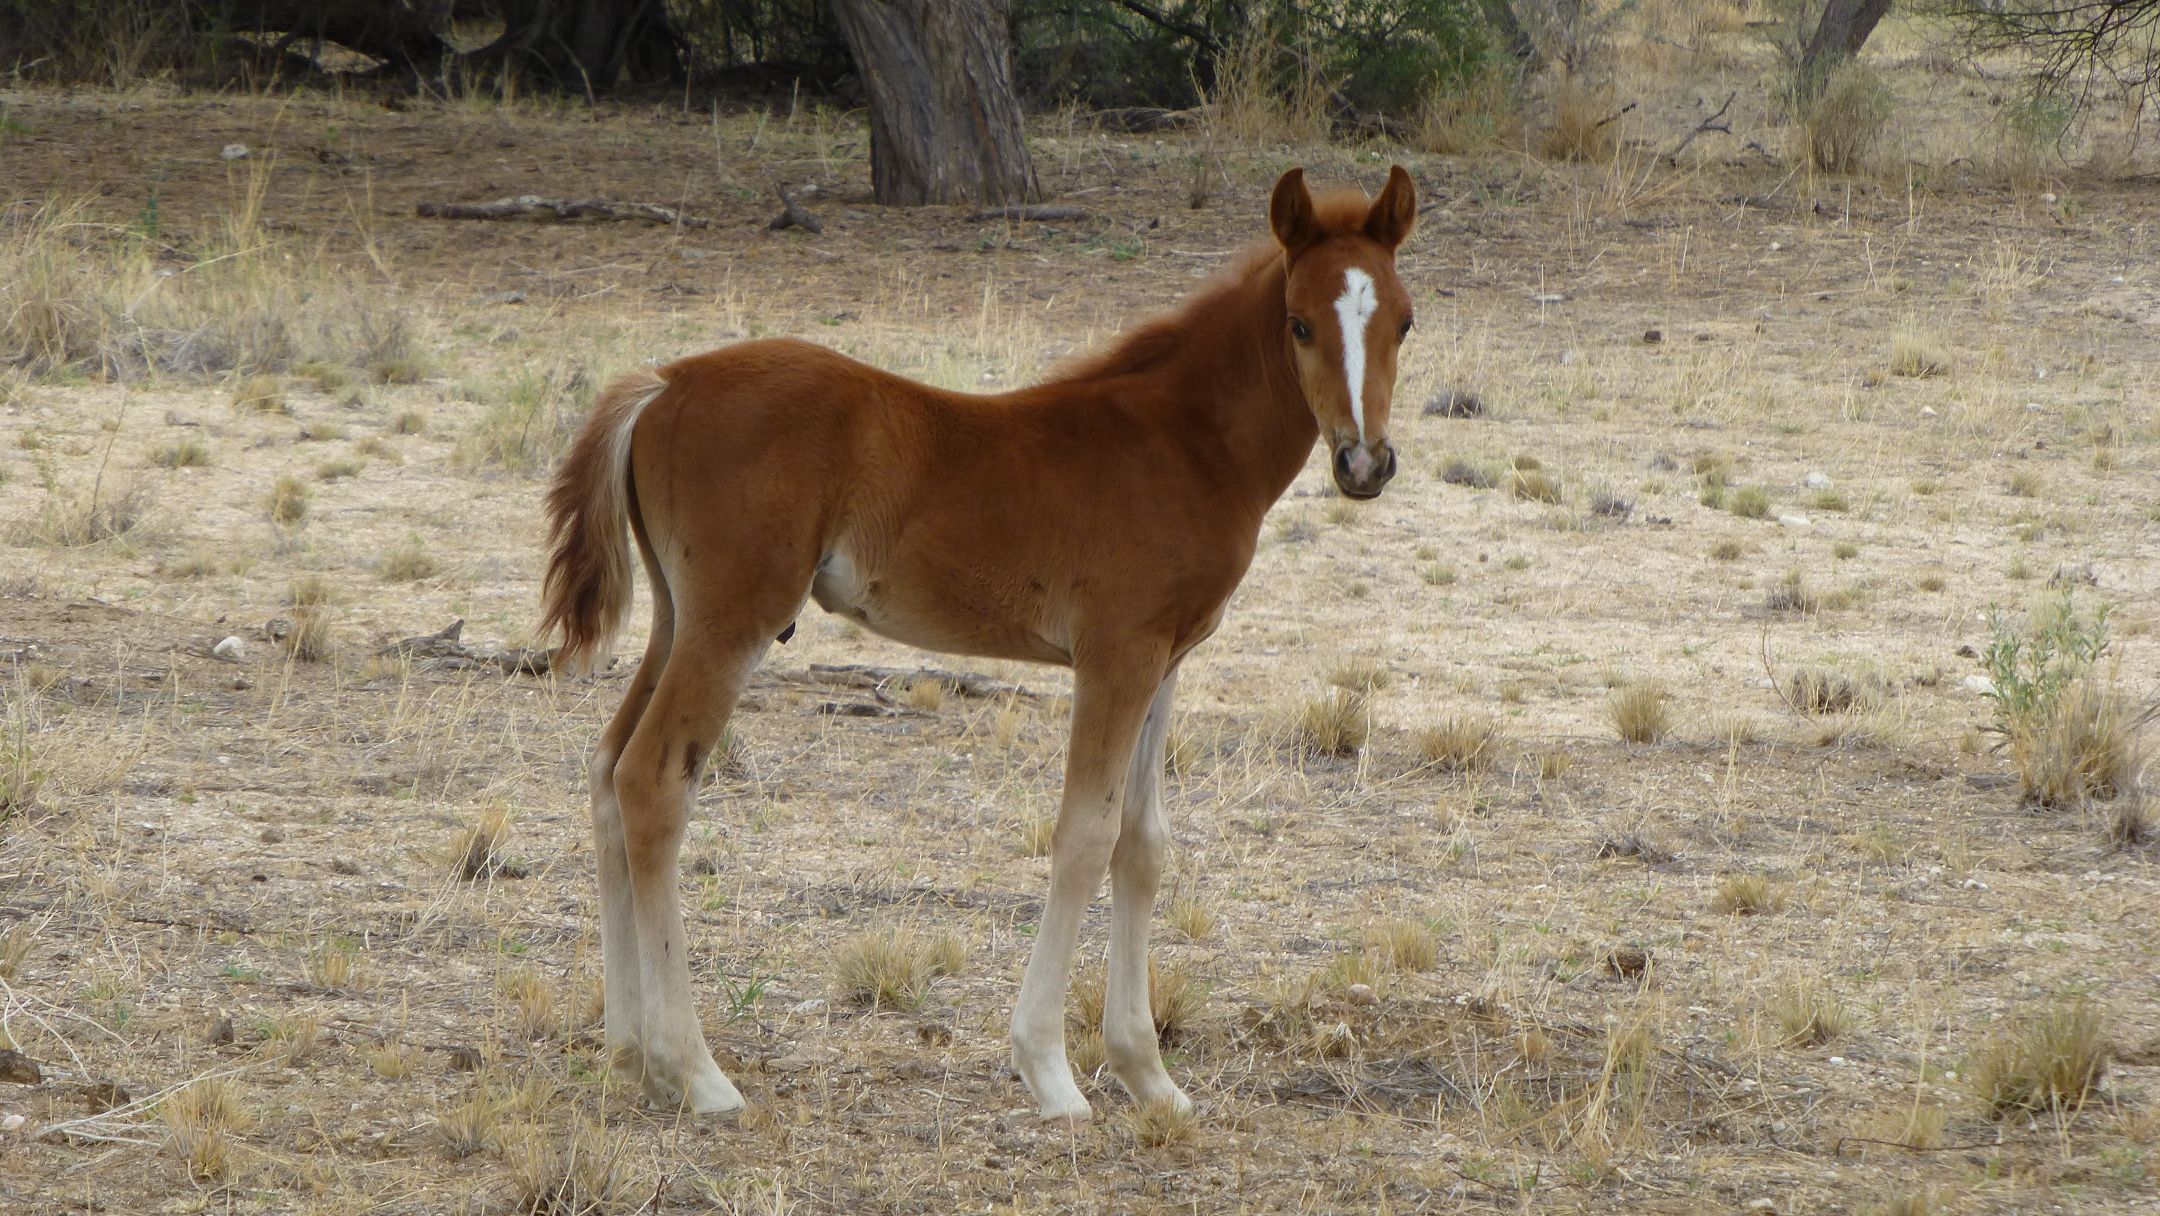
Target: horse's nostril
(1342,464)
(1387,467)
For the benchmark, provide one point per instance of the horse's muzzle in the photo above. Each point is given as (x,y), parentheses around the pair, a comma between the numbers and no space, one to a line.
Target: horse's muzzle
(1363,470)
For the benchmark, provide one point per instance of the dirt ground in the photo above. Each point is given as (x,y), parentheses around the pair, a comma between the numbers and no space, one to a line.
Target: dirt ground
(241,876)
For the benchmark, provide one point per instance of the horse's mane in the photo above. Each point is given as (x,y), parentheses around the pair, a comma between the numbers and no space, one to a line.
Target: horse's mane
(1160,337)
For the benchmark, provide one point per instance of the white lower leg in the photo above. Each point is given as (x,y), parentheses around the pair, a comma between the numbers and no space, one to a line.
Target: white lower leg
(618,927)
(1129,1034)
(1038,1031)
(679,1068)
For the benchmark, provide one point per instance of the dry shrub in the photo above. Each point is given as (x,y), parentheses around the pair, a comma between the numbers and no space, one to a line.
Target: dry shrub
(1535,485)
(1843,121)
(1460,472)
(308,641)
(186,454)
(1163,1123)
(1583,125)
(529,426)
(2085,747)
(1750,502)
(477,853)
(1407,945)
(1477,113)
(261,393)
(1335,723)
(2129,827)
(288,501)
(409,562)
(1266,92)
(891,968)
(1361,676)
(1822,690)
(1640,713)
(1459,743)
(118,515)
(2052,1060)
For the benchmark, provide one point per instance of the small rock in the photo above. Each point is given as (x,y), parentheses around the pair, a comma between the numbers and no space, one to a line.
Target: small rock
(19,1068)
(1979,684)
(219,1033)
(234,152)
(1547,297)
(1454,403)
(814,1007)
(1569,358)
(1762,1207)
(1793,521)
(1817,481)
(1776,246)
(2034,407)
(466,1059)
(1651,337)
(105,1095)
(272,835)
(1927,411)
(918,1070)
(1362,994)
(11,1124)
(1627,960)
(501,297)
(230,648)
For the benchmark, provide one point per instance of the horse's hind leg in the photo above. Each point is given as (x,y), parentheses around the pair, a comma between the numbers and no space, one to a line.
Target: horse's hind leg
(618,930)
(716,648)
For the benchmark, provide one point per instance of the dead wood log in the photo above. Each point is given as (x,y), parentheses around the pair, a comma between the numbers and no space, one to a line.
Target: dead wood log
(864,675)
(443,651)
(1035,215)
(560,210)
(792,215)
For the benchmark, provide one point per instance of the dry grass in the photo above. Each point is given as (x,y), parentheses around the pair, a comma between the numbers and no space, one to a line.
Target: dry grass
(2086,746)
(1750,502)
(1337,722)
(1535,485)
(1808,1015)
(409,562)
(1163,1124)
(1641,713)
(582,1173)
(1917,352)
(1747,895)
(1823,690)
(892,968)
(1266,91)
(1843,123)
(186,454)
(2050,1060)
(1581,126)
(1477,114)
(1407,945)
(1176,1000)
(1463,742)
(477,851)
(201,1121)
(288,501)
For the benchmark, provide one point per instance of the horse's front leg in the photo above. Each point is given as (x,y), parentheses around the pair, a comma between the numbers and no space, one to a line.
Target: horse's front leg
(1110,701)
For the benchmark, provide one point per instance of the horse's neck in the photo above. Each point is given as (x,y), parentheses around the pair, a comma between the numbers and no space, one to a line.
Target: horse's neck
(1243,385)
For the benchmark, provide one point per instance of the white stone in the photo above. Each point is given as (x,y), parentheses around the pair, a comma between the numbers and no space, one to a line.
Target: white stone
(234,152)
(810,1008)
(2034,407)
(230,648)
(1927,411)
(1792,521)
(13,1123)
(1776,245)
(1979,684)
(1547,297)
(1817,481)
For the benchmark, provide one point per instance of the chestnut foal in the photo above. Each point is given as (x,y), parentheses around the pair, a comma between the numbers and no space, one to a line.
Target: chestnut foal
(1099,520)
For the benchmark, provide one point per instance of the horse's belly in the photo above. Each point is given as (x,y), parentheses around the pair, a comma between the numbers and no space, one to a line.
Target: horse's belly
(929,617)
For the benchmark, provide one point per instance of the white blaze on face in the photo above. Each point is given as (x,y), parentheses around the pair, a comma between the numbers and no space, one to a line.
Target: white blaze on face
(1354,309)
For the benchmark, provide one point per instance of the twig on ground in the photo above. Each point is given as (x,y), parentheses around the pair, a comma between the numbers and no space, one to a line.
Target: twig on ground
(1705,126)
(792,214)
(534,207)
(1037,215)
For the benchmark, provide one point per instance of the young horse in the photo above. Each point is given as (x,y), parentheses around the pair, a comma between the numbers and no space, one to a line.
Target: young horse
(1100,520)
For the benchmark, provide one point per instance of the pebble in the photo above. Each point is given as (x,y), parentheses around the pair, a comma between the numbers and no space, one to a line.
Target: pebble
(810,1008)
(1792,521)
(1547,297)
(1817,481)
(234,152)
(13,1123)
(1927,411)
(2034,407)
(230,648)
(1363,994)
(1776,245)
(1978,684)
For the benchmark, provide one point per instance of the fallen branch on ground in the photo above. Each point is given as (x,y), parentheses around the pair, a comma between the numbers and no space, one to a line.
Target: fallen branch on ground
(443,651)
(1705,126)
(792,214)
(566,210)
(1039,215)
(863,675)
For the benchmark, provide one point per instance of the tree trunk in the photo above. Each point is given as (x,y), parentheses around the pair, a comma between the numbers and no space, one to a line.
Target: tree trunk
(944,119)
(1843,30)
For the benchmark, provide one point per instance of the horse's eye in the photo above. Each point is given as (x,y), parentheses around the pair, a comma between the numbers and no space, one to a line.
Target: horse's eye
(1404,335)
(1300,330)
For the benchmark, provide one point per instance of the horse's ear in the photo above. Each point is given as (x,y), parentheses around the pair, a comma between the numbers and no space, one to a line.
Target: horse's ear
(1290,212)
(1394,213)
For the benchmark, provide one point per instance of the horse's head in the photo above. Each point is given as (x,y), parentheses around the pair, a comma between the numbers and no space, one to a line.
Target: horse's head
(1348,315)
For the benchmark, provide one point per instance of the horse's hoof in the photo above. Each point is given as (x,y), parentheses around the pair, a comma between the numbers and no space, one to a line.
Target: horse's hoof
(1069,1116)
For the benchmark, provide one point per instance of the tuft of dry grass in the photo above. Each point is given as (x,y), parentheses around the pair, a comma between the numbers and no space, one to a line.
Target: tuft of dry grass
(1727,551)
(1747,895)
(1406,945)
(1462,743)
(1535,485)
(409,562)
(1640,713)
(14,946)
(334,963)
(1163,1124)
(104,515)
(529,1002)
(469,1127)
(2129,826)
(891,968)
(477,853)
(582,1173)
(264,394)
(408,422)
(1460,472)
(924,693)
(308,641)
(1472,115)
(1192,918)
(1807,1015)
(1175,1000)
(1361,676)
(2084,745)
(390,1061)
(1037,833)
(189,453)
(2052,1060)
(288,501)
(1917,353)
(200,1120)
(1266,91)
(1843,122)
(1750,502)
(1335,723)
(1823,690)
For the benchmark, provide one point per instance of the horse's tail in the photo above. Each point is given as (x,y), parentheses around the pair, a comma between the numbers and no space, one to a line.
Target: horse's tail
(587,589)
